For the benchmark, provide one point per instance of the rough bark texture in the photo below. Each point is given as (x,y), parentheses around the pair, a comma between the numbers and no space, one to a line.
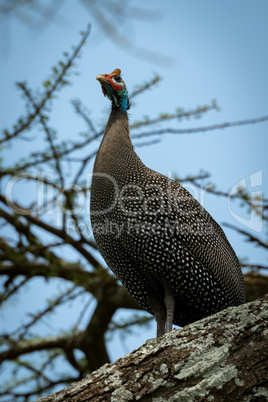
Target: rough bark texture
(220,358)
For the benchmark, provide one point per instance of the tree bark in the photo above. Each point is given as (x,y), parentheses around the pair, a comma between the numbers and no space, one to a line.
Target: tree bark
(223,357)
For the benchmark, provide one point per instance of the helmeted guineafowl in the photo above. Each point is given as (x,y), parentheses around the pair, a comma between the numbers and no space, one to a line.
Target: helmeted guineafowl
(165,248)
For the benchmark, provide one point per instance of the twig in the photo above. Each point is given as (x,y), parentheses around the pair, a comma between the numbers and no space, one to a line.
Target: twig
(250,237)
(200,129)
(48,94)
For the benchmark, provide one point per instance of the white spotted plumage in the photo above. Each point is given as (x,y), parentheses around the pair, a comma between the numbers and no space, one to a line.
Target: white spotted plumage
(156,238)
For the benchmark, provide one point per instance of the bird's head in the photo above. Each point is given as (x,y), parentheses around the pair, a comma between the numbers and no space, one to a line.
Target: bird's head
(115,89)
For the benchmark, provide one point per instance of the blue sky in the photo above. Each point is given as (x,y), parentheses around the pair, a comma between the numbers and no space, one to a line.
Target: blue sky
(209,50)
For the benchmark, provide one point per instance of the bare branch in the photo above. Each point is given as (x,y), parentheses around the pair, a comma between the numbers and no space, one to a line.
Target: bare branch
(249,236)
(24,123)
(147,85)
(57,232)
(253,266)
(46,130)
(200,129)
(178,115)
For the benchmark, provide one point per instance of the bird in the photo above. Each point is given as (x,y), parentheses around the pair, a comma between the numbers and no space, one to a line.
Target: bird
(158,240)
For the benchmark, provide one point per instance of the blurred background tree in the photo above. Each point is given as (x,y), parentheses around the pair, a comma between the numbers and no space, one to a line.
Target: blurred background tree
(47,250)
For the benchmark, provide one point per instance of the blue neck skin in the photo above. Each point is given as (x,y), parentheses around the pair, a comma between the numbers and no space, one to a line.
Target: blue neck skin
(124,102)
(120,99)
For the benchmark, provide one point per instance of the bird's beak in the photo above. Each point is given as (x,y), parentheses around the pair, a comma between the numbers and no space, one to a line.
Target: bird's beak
(102,80)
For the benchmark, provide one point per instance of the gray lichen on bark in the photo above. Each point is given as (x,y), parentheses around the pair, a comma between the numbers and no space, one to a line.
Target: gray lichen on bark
(209,360)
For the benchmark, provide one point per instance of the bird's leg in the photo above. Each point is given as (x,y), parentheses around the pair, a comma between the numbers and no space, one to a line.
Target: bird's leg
(170,305)
(160,317)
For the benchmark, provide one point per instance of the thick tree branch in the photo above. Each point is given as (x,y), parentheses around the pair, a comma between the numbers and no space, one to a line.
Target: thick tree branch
(76,244)
(223,357)
(25,347)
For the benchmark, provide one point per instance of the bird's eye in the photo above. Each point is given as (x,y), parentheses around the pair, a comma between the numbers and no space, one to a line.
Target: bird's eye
(117,78)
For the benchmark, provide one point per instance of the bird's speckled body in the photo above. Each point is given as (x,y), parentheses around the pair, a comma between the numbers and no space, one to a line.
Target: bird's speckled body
(165,248)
